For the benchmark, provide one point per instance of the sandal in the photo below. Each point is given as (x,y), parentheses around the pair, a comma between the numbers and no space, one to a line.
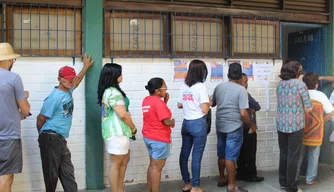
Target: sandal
(222,183)
(313,183)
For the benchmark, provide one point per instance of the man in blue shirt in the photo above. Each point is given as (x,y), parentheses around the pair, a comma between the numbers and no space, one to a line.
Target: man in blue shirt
(54,124)
(247,159)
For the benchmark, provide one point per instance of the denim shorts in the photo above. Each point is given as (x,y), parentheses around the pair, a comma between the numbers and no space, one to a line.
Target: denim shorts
(157,149)
(229,144)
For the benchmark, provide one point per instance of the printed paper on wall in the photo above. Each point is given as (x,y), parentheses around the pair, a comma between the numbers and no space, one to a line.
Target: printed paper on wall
(180,70)
(217,71)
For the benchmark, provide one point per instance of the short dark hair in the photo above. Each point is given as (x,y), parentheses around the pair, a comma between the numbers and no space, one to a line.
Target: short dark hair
(244,74)
(234,71)
(197,72)
(154,84)
(290,69)
(311,80)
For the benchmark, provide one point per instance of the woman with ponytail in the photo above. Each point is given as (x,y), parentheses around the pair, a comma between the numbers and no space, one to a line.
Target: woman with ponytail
(157,126)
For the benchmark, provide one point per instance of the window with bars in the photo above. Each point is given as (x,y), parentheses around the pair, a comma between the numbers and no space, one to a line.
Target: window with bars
(257,37)
(43,30)
(175,34)
(135,33)
(195,35)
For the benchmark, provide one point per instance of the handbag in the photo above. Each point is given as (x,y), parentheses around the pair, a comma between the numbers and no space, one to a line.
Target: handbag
(208,121)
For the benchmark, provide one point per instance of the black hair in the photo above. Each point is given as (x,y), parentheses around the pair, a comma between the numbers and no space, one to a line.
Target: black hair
(108,78)
(290,70)
(311,80)
(244,74)
(154,84)
(197,72)
(234,71)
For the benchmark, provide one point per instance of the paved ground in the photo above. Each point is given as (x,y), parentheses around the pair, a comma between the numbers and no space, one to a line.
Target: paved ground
(209,184)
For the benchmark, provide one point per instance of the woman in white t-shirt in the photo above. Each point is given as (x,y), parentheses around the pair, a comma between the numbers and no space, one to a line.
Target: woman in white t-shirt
(195,102)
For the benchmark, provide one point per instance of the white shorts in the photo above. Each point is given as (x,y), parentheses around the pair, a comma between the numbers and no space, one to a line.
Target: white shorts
(117,145)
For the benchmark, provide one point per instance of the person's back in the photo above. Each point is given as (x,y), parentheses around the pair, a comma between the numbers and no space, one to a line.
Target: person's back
(11,91)
(291,95)
(13,104)
(227,96)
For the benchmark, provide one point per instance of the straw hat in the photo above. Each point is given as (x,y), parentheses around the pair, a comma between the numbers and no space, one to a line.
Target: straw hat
(7,52)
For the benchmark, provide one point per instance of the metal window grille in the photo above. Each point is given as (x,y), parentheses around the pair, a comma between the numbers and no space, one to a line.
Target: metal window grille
(42,29)
(156,34)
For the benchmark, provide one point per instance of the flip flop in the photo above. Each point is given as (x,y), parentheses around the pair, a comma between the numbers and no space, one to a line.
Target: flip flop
(222,183)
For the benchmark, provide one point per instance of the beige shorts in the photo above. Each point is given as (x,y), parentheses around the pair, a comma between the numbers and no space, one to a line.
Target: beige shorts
(117,145)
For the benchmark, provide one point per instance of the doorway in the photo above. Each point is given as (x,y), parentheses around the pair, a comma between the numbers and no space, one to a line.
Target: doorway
(306,43)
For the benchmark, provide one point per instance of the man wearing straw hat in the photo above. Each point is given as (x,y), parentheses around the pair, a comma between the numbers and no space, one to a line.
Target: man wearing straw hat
(14,107)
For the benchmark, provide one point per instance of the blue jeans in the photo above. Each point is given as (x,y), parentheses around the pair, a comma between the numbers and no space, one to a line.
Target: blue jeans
(313,153)
(193,135)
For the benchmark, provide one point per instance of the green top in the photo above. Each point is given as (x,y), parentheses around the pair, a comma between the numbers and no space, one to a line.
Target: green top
(112,124)
(127,103)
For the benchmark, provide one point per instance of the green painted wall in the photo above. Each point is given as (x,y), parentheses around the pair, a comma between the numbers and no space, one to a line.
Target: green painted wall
(93,39)
(329,158)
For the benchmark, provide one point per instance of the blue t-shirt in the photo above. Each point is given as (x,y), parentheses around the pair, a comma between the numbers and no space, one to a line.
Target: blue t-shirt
(58,108)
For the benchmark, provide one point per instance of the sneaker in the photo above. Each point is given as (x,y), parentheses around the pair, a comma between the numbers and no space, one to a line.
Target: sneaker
(254,179)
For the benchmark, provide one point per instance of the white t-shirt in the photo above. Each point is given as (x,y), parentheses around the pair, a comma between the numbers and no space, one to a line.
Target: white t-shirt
(322,98)
(191,99)
(331,99)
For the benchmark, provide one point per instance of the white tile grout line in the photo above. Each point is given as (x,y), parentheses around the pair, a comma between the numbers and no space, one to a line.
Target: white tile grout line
(277,190)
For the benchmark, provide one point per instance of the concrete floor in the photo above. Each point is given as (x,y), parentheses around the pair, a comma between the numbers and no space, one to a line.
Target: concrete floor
(209,184)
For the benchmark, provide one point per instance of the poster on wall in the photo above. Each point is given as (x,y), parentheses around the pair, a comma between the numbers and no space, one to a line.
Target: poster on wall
(262,72)
(180,70)
(217,71)
(247,68)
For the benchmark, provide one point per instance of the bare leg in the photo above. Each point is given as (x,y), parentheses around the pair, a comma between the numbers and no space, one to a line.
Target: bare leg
(149,183)
(122,171)
(6,182)
(155,169)
(230,166)
(114,171)
(221,166)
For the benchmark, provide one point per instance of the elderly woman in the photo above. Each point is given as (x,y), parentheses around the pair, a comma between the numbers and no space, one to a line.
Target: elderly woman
(293,101)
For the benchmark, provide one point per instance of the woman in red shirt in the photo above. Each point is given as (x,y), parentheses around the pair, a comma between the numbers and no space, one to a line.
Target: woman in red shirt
(156,130)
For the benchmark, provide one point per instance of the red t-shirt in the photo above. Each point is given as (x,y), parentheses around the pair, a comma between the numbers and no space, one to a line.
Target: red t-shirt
(154,112)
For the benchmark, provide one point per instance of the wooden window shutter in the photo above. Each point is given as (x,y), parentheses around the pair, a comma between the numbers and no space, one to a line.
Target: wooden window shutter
(50,2)
(217,2)
(320,6)
(257,4)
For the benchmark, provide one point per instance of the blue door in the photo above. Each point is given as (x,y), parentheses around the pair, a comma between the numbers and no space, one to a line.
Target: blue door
(307,48)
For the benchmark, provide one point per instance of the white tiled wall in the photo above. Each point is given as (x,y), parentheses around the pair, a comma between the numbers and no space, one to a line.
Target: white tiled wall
(39,76)
(137,72)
